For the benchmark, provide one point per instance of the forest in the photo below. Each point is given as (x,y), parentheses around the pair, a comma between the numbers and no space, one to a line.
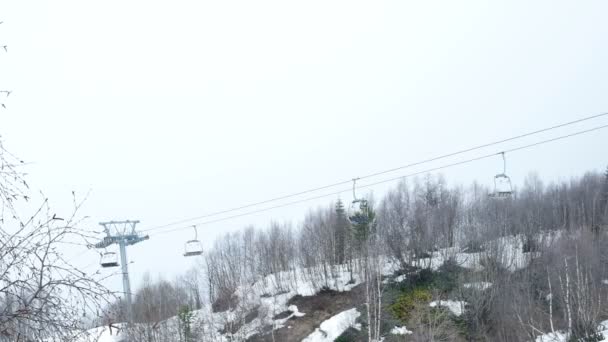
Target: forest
(530,264)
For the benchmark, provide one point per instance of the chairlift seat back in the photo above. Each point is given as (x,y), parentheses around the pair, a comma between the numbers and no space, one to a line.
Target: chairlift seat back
(193,248)
(502,187)
(109,259)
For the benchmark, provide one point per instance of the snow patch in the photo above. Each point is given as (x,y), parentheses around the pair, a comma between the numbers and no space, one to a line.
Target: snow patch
(553,337)
(401,331)
(455,306)
(400,278)
(397,279)
(508,251)
(279,323)
(103,334)
(295,311)
(560,336)
(335,326)
(482,285)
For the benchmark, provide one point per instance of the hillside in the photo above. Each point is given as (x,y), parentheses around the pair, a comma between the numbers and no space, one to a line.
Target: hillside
(444,285)
(426,262)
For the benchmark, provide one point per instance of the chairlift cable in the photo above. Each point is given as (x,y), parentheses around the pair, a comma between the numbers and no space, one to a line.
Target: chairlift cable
(597,128)
(520,136)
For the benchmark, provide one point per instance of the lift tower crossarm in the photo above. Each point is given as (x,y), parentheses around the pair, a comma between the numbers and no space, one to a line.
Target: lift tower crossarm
(123,234)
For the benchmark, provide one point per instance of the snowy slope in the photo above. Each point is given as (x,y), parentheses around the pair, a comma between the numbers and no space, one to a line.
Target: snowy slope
(269,296)
(506,250)
(102,334)
(561,336)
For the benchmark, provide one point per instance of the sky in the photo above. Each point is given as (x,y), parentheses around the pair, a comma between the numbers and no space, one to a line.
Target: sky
(162,111)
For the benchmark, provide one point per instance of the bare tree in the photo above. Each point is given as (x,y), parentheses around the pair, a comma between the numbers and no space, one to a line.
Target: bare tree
(394,224)
(42,295)
(3,93)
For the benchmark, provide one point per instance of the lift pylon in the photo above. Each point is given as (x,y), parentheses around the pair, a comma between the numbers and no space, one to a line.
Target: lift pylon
(123,234)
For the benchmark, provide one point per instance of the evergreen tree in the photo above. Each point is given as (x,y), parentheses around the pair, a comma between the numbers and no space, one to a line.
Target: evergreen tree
(185,317)
(604,199)
(363,223)
(605,190)
(341,232)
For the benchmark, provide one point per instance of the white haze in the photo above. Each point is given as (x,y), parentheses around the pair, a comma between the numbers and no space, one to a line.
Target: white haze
(166,110)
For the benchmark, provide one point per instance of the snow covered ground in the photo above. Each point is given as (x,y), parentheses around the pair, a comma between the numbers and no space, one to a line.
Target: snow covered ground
(560,336)
(401,331)
(482,285)
(397,279)
(455,306)
(335,326)
(103,334)
(553,337)
(272,293)
(506,250)
(269,296)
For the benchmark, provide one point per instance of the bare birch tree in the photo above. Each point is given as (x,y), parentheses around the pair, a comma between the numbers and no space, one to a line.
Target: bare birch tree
(42,295)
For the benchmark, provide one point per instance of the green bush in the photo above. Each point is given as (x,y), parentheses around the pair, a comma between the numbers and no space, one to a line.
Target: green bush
(406,303)
(446,279)
(418,278)
(343,338)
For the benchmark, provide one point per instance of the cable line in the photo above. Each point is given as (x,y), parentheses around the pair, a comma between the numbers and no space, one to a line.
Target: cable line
(470,149)
(390,179)
(378,173)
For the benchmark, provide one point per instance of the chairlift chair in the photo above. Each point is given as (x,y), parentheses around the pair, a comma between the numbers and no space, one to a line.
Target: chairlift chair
(503,188)
(109,259)
(358,205)
(193,247)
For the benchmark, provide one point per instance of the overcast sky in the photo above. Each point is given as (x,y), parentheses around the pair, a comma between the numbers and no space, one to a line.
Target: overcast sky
(166,110)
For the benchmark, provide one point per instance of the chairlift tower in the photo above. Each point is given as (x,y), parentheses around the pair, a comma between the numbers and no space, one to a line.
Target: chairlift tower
(123,234)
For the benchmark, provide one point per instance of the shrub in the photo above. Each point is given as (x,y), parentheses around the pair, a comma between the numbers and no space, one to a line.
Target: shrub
(446,279)
(474,246)
(348,336)
(407,302)
(530,245)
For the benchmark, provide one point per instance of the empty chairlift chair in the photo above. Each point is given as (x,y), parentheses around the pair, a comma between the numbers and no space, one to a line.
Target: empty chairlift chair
(193,247)
(358,208)
(503,188)
(109,259)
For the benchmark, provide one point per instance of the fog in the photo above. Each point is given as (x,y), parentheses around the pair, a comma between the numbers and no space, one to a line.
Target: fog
(163,111)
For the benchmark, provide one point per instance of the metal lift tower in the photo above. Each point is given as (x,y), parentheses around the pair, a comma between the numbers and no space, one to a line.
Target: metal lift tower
(123,234)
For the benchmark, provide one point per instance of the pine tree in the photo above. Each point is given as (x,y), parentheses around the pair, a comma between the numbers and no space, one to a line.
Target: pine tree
(363,223)
(604,199)
(341,232)
(185,317)
(605,191)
